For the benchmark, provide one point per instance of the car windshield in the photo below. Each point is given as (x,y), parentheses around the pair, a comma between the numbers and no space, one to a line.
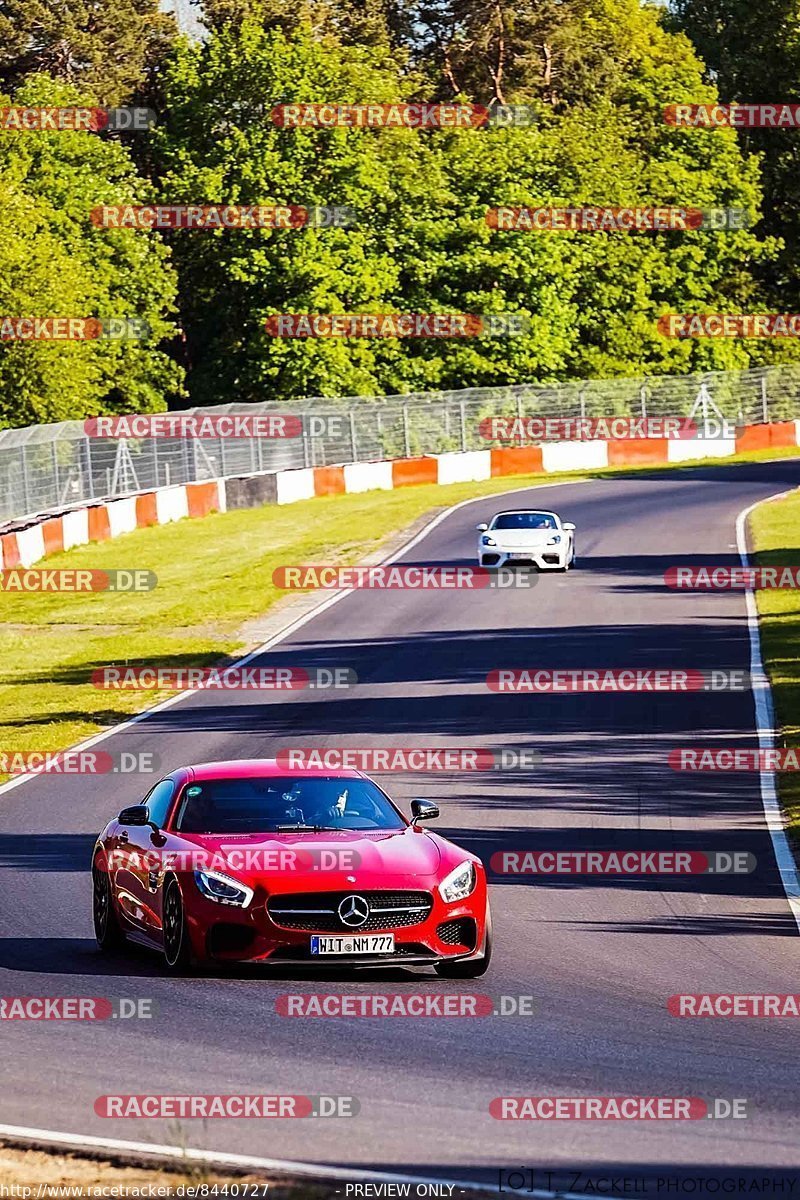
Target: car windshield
(524,520)
(271,804)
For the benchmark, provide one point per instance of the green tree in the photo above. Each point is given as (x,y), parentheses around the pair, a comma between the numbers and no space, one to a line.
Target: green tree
(752,53)
(423,244)
(55,262)
(107,50)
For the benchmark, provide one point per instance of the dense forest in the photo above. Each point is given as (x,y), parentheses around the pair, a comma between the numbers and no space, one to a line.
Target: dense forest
(596,74)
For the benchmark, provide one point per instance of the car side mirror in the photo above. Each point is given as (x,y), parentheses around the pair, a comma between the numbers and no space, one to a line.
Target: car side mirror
(482,527)
(137,814)
(568,525)
(424,810)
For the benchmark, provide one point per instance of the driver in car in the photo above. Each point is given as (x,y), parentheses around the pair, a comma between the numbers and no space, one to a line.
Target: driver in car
(335,812)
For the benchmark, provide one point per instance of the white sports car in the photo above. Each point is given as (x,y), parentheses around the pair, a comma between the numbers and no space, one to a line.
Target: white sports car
(525,536)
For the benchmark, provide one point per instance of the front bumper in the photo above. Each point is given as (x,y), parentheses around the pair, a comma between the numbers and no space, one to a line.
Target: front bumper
(550,558)
(223,933)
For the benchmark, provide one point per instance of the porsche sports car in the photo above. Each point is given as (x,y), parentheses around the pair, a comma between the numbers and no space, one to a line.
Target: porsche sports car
(527,537)
(250,862)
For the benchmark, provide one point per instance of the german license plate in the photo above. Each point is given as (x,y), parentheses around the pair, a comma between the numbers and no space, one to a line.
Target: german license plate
(368,943)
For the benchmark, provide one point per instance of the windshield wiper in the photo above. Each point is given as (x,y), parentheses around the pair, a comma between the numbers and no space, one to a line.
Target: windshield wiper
(308,828)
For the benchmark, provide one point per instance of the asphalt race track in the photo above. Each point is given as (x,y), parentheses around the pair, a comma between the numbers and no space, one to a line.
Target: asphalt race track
(600,955)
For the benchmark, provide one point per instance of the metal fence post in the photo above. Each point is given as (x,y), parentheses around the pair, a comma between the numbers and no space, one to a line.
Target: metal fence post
(583,402)
(764,401)
(643,400)
(56,488)
(406,432)
(306,447)
(26,499)
(89,470)
(463,426)
(353,443)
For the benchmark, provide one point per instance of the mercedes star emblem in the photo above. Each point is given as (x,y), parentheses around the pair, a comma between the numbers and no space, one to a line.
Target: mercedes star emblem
(354,911)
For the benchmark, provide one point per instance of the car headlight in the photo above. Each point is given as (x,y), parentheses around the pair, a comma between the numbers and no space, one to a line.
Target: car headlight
(487,541)
(459,883)
(223,889)
(554,541)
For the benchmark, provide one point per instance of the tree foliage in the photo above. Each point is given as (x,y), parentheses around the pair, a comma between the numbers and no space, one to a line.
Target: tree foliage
(598,75)
(54,262)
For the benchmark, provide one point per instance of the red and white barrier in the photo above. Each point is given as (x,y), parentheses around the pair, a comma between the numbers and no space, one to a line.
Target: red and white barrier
(100,522)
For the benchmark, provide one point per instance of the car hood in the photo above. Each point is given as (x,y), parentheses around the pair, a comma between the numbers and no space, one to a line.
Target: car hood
(522,538)
(343,858)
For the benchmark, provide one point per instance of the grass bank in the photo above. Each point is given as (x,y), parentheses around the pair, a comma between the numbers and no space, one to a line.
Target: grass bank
(775,534)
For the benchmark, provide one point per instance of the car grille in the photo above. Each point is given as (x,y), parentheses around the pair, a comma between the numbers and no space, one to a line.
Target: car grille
(317,911)
(460,932)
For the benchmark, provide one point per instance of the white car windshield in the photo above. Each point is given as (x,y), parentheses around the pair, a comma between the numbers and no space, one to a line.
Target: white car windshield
(524,520)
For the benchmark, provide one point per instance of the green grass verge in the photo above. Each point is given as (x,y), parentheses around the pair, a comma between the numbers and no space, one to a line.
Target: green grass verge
(775,533)
(214,575)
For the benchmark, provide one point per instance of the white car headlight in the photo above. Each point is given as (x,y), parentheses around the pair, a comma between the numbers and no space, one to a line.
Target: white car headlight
(223,889)
(459,883)
(487,541)
(554,541)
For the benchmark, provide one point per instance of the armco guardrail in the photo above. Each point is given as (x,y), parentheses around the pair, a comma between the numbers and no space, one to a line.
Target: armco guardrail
(29,541)
(52,467)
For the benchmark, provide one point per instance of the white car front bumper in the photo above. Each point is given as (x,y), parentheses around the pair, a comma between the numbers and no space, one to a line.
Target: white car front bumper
(544,558)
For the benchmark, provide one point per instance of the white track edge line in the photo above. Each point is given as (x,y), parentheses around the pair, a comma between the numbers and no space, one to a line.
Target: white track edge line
(765,726)
(278,1165)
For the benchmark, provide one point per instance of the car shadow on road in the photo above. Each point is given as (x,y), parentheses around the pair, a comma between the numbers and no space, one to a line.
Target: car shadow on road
(82,957)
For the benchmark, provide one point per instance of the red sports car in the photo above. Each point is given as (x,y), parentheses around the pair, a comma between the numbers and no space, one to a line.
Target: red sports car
(250,862)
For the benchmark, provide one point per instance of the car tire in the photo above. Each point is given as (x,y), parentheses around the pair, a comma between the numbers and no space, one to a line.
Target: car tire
(470,968)
(176,947)
(107,930)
